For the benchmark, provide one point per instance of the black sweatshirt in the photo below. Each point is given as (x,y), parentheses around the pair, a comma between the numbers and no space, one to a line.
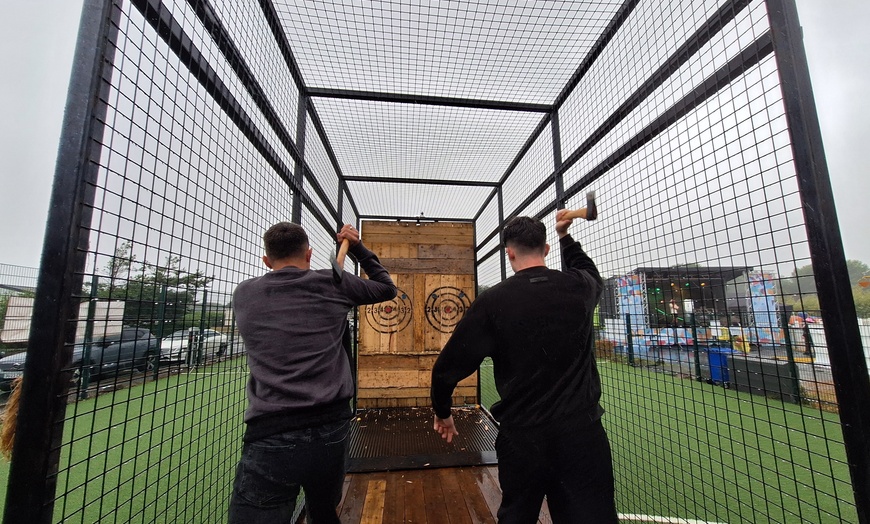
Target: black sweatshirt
(537,327)
(292,322)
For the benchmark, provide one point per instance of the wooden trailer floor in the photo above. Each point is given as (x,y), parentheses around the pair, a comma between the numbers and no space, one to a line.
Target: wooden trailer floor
(425,496)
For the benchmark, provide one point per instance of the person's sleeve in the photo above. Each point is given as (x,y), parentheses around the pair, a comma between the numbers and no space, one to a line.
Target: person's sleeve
(379,286)
(471,342)
(576,262)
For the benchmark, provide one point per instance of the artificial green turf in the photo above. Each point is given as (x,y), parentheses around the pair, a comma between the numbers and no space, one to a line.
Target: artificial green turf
(687,449)
(166,451)
(161,452)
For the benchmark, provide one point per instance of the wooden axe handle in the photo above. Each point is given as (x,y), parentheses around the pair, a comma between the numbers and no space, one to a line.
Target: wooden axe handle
(342,252)
(590,212)
(575,213)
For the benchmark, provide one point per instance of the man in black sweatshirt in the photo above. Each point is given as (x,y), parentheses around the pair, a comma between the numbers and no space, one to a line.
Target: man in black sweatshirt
(537,327)
(293,321)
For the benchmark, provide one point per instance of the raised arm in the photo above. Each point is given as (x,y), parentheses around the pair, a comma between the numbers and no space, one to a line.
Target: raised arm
(379,286)
(574,259)
(470,343)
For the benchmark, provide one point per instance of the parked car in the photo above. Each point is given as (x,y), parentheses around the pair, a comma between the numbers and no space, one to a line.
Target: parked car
(131,348)
(175,346)
(11,367)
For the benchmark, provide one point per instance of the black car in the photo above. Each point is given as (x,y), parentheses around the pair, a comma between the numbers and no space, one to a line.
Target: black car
(131,348)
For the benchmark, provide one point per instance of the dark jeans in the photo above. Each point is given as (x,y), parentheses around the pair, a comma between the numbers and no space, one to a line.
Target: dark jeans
(569,462)
(273,469)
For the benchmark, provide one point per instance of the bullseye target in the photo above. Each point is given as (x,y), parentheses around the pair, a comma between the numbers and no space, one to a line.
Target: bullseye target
(391,316)
(445,307)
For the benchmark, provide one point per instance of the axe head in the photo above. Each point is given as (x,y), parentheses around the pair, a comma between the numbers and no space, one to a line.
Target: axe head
(591,208)
(337,272)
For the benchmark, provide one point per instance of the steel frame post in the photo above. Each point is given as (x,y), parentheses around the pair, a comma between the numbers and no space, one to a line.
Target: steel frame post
(161,316)
(500,227)
(299,172)
(36,451)
(557,159)
(848,365)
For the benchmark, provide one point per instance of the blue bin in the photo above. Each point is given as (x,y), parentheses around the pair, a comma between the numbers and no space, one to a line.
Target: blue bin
(719,363)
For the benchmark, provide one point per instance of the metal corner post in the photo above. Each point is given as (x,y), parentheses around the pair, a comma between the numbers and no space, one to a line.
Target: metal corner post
(848,366)
(36,452)
(502,259)
(302,112)
(557,159)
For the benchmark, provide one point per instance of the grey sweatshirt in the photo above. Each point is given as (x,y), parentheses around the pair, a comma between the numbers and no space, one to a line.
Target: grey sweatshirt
(292,322)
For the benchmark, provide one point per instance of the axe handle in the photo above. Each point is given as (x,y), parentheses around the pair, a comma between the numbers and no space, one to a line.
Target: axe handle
(575,213)
(342,252)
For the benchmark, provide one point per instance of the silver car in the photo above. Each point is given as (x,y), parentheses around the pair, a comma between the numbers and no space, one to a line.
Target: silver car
(176,347)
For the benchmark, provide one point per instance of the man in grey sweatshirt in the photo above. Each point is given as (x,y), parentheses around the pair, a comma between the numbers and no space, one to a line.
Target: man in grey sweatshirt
(293,321)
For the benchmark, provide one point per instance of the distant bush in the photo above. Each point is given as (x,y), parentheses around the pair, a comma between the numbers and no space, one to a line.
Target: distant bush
(810,303)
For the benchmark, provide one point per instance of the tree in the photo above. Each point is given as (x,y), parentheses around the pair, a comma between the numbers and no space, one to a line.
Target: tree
(803,282)
(4,303)
(212,319)
(862,301)
(857,269)
(157,297)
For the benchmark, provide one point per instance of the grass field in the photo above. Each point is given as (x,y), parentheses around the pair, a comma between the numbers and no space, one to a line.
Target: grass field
(687,449)
(166,451)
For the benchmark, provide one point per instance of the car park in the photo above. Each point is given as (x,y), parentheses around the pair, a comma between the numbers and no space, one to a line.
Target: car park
(177,347)
(106,355)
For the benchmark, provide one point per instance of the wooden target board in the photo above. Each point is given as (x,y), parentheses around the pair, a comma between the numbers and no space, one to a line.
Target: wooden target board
(432,264)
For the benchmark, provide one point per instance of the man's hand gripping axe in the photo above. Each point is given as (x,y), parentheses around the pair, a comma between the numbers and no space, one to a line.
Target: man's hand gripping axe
(590,212)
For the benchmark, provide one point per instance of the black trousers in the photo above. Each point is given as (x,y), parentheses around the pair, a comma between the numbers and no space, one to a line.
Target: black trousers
(569,462)
(272,470)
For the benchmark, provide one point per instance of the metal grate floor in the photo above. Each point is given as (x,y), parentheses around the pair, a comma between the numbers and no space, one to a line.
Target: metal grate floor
(385,439)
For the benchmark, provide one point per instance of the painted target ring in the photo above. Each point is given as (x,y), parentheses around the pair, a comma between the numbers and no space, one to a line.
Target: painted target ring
(445,307)
(390,316)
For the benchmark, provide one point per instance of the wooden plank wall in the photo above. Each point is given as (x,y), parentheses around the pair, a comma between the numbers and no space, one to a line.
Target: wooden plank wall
(433,267)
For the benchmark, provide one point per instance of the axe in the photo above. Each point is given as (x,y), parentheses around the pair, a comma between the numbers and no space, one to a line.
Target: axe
(338,263)
(590,212)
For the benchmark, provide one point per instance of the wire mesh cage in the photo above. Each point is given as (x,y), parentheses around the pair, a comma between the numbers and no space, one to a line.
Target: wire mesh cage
(733,388)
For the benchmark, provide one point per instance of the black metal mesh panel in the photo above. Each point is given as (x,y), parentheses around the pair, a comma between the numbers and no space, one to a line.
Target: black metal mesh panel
(532,170)
(715,203)
(181,200)
(249,31)
(350,216)
(17,285)
(487,222)
(317,158)
(380,139)
(704,210)
(640,48)
(710,340)
(322,242)
(218,66)
(489,272)
(416,200)
(480,50)
(17,279)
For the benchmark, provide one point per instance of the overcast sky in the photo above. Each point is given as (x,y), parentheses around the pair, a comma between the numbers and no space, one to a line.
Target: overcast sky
(38,39)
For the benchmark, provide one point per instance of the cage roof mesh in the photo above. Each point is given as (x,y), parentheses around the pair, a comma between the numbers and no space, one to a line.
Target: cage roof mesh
(446,57)
(494,50)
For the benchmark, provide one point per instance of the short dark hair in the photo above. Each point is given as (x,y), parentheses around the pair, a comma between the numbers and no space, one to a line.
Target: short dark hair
(525,234)
(285,240)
